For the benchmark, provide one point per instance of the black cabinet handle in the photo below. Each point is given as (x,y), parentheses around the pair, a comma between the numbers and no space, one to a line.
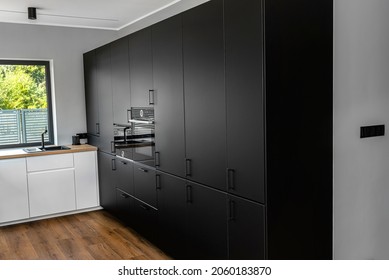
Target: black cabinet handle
(113,164)
(124,195)
(230,179)
(232,210)
(151,97)
(113,148)
(143,169)
(157,159)
(144,207)
(189,198)
(188,167)
(97,128)
(158,182)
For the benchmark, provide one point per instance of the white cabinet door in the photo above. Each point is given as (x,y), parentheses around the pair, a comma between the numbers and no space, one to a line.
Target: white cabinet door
(51,192)
(87,194)
(13,190)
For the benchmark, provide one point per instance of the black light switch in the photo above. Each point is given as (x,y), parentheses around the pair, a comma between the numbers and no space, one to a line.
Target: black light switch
(372,131)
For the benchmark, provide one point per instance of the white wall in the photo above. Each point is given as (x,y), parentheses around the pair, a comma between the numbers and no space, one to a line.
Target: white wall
(65,47)
(177,8)
(361,97)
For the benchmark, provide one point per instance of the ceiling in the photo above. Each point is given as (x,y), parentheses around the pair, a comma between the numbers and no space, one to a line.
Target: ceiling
(100,14)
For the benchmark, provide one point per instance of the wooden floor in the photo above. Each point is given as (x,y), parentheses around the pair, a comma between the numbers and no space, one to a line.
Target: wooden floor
(87,236)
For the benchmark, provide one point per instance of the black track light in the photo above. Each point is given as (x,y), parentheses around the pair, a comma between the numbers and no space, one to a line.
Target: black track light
(31,13)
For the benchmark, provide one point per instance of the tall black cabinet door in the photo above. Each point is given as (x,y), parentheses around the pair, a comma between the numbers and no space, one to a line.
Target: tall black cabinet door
(141,68)
(107,181)
(171,215)
(120,80)
(205,114)
(169,96)
(104,88)
(246,229)
(244,93)
(299,129)
(206,222)
(91,94)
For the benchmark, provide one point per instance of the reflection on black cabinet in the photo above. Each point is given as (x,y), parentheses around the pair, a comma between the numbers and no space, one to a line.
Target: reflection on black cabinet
(206,222)
(107,181)
(169,96)
(141,68)
(120,80)
(244,94)
(205,123)
(246,229)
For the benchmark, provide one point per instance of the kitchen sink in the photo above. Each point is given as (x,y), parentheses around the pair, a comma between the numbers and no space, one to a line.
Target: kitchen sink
(45,149)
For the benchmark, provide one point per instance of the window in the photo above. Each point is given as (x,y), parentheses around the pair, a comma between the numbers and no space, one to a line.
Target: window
(25,103)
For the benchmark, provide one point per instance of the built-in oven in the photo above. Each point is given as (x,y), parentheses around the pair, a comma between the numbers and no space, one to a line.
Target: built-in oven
(135,139)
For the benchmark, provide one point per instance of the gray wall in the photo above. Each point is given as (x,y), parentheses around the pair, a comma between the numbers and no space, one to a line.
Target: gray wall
(361,97)
(64,46)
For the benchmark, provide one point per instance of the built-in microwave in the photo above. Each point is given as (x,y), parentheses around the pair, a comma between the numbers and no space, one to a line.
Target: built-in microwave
(135,140)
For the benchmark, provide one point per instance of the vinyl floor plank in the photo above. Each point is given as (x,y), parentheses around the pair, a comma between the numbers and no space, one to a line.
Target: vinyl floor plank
(87,236)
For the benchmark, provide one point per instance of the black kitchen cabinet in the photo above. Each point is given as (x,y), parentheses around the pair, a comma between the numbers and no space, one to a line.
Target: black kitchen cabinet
(205,113)
(107,181)
(206,227)
(91,95)
(172,201)
(104,89)
(120,72)
(141,68)
(145,185)
(246,229)
(125,175)
(244,98)
(169,96)
(192,219)
(137,214)
(145,220)
(125,207)
(251,154)
(299,129)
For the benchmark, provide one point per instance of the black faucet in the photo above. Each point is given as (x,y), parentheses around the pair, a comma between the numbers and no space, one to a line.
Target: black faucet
(43,138)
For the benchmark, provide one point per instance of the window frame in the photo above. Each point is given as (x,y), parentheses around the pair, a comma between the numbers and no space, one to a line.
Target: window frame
(50,122)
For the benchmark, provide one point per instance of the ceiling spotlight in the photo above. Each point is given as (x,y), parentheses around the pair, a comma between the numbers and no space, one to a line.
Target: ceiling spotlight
(31,13)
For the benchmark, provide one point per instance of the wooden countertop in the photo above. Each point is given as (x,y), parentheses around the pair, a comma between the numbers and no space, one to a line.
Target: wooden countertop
(19,153)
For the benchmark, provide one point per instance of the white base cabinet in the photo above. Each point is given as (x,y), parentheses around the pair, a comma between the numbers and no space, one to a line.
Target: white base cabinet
(13,190)
(47,185)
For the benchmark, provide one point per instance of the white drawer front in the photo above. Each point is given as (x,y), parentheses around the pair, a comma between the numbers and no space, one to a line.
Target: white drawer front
(51,162)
